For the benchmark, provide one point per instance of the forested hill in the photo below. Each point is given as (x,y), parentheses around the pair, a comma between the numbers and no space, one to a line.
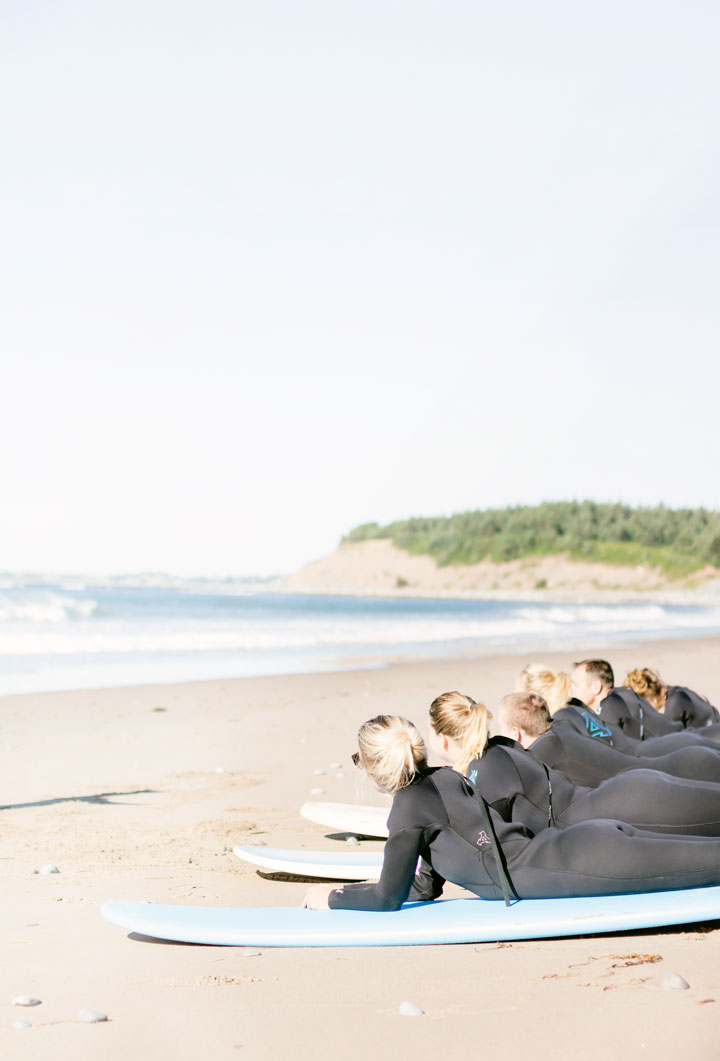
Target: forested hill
(678,541)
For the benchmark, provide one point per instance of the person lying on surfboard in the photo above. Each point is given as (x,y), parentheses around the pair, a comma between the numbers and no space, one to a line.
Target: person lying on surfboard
(435,816)
(588,762)
(677,702)
(592,683)
(522,788)
(562,692)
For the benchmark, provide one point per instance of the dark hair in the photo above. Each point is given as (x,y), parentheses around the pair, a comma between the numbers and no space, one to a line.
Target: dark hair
(528,711)
(599,668)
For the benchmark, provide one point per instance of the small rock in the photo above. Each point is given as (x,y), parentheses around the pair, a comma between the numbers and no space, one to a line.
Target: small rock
(91,1016)
(335,766)
(409,1009)
(26,1000)
(317,791)
(251,952)
(48,868)
(353,841)
(674,982)
(20,1025)
(318,773)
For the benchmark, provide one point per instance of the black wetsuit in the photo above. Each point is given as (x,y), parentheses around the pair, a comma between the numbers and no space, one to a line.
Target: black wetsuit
(588,762)
(638,718)
(523,789)
(578,715)
(437,817)
(689,708)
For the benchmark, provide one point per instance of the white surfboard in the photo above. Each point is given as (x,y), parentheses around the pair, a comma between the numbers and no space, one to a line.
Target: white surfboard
(341,865)
(348,817)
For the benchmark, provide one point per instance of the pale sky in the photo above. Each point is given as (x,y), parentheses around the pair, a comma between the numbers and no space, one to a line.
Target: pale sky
(271,270)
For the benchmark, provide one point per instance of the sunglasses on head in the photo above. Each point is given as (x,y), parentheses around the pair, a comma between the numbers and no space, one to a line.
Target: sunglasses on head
(355,758)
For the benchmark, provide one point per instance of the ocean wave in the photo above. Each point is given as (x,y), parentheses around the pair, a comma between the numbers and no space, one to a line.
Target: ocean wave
(45,608)
(601,616)
(341,634)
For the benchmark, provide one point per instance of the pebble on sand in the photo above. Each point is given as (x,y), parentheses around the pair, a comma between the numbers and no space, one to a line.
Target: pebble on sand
(409,1009)
(20,1025)
(91,1016)
(26,1000)
(353,841)
(317,791)
(674,982)
(251,952)
(335,766)
(49,867)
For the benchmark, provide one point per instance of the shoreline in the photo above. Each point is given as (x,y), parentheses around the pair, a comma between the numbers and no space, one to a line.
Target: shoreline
(374,662)
(706,595)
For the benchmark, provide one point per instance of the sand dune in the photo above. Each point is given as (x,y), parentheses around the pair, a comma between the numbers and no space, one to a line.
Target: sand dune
(377,566)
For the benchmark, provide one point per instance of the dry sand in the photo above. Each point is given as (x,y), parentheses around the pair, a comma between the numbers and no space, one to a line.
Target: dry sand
(127,801)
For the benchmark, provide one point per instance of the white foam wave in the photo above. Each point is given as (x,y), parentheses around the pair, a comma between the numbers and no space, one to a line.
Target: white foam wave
(342,634)
(45,608)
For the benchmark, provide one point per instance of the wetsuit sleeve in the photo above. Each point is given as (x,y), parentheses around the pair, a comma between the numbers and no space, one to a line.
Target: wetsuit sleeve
(398,874)
(427,885)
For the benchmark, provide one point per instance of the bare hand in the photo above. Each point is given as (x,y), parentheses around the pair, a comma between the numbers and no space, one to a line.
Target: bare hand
(316,898)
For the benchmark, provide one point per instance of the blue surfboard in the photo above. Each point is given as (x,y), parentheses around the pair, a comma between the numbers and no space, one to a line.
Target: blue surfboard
(444,921)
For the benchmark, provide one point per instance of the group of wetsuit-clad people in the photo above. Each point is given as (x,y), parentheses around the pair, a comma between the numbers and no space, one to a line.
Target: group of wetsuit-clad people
(588,789)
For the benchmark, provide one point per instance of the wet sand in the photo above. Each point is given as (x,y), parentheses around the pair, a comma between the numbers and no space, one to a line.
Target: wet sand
(131,802)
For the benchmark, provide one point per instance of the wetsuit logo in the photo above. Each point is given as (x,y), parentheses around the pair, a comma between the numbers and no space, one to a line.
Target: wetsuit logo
(482,839)
(472,777)
(595,728)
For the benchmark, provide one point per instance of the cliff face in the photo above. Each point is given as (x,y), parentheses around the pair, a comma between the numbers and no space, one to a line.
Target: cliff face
(377,566)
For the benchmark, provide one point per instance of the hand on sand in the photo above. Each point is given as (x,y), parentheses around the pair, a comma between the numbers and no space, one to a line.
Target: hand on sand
(316,898)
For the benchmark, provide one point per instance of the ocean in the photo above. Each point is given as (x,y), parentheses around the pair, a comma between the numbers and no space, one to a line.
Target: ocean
(70,634)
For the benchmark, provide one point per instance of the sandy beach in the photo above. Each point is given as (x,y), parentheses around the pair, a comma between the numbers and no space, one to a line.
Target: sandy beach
(133,802)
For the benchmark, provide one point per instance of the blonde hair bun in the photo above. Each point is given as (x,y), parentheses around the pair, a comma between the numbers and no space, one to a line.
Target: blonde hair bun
(392,751)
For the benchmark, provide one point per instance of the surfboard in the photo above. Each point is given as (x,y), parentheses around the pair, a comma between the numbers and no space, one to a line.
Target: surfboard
(444,921)
(348,817)
(343,865)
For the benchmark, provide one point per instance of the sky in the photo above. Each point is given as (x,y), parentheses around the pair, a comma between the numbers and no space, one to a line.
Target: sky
(273,270)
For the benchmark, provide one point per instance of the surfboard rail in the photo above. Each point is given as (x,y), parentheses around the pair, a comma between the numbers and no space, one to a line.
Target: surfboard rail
(341,865)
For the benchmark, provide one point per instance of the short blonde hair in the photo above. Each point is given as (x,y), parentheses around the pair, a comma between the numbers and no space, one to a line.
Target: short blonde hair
(649,684)
(527,712)
(554,688)
(391,752)
(459,717)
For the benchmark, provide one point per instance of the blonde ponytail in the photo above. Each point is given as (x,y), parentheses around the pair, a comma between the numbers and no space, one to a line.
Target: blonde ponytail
(459,717)
(391,752)
(554,688)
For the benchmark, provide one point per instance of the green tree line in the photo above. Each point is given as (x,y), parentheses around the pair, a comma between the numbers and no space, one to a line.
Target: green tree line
(679,541)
